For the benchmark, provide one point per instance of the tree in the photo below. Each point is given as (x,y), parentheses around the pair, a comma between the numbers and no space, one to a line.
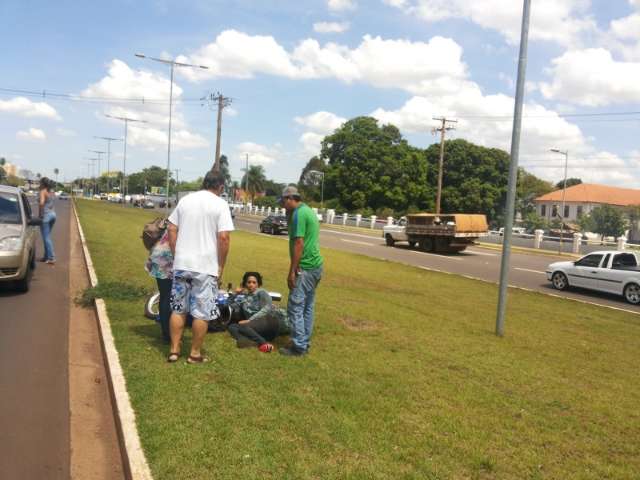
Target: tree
(475,177)
(585,222)
(570,183)
(532,221)
(257,180)
(372,167)
(529,188)
(607,221)
(309,183)
(154,176)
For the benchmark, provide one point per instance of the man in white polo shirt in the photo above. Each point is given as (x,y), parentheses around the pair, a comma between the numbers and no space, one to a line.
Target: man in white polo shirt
(199,238)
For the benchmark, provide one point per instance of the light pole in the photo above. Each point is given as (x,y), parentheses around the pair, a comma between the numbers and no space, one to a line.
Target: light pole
(172,64)
(99,152)
(564,191)
(126,121)
(109,140)
(318,172)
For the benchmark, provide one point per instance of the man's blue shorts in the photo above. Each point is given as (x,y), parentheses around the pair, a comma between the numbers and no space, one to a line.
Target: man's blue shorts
(195,293)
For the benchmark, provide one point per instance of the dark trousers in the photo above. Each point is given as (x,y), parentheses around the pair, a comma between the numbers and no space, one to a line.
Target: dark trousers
(260,330)
(164,286)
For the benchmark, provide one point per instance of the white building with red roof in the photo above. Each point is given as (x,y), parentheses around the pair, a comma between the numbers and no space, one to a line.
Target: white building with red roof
(582,198)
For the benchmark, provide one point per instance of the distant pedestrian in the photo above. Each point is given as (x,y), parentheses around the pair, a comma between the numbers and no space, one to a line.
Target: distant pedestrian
(305,270)
(47,213)
(199,238)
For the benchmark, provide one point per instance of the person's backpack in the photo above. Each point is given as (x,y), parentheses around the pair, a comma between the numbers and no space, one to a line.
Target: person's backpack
(152,232)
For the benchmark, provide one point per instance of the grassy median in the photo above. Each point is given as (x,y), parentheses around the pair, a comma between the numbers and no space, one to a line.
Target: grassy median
(405,379)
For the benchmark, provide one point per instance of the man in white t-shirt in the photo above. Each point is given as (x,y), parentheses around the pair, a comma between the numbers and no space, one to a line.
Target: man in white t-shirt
(199,238)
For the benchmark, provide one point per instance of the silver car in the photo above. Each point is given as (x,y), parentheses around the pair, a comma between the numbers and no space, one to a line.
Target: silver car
(608,271)
(18,233)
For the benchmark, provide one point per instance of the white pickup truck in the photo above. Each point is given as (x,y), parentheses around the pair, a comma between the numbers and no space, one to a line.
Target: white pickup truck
(608,271)
(446,233)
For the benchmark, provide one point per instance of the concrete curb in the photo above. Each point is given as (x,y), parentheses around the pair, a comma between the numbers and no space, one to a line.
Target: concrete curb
(133,458)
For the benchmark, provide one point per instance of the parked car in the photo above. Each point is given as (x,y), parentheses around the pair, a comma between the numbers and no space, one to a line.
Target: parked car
(274,224)
(18,233)
(616,271)
(514,231)
(148,204)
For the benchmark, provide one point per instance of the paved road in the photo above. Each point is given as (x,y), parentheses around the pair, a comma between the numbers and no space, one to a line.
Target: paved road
(527,270)
(34,412)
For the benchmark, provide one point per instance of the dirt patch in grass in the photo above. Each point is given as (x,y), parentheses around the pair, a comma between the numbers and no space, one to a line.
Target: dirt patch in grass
(357,325)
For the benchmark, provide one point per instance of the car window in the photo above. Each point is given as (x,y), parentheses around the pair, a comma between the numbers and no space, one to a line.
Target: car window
(9,209)
(624,260)
(589,261)
(27,206)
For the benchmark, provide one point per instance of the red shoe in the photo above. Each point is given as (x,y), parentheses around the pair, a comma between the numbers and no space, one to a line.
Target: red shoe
(266,348)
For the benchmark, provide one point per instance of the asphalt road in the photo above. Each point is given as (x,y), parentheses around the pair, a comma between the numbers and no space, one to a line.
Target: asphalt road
(34,381)
(527,270)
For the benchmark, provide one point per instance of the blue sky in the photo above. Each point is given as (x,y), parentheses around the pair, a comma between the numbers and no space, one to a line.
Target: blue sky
(297,70)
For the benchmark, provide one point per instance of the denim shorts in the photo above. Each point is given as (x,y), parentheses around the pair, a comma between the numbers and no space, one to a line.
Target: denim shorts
(195,293)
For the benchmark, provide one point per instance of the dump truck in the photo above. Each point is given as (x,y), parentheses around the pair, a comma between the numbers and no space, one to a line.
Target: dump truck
(444,233)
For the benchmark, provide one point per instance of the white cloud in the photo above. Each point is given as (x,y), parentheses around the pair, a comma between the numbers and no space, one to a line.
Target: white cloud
(435,66)
(321,122)
(627,27)
(330,27)
(592,77)
(65,132)
(34,134)
(258,154)
(341,5)
(319,125)
(122,81)
(24,107)
(563,22)
(542,129)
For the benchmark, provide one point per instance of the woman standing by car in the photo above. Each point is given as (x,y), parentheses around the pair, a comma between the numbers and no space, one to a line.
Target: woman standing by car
(48,215)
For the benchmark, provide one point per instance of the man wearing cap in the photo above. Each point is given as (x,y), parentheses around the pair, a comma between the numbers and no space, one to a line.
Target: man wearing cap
(305,269)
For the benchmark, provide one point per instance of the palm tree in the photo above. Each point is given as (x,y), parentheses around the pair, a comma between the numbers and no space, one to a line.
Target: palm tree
(56,172)
(257,180)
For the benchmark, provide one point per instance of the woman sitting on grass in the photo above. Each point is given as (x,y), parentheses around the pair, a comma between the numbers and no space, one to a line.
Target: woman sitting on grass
(260,322)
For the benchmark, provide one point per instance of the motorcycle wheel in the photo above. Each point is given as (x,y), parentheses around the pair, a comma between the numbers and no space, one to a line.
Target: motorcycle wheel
(151,309)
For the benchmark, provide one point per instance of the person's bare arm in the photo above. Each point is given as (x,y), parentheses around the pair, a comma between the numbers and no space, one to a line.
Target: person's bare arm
(224,240)
(298,247)
(173,236)
(41,201)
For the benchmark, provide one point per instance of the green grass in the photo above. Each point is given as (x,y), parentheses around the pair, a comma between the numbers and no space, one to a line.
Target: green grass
(405,379)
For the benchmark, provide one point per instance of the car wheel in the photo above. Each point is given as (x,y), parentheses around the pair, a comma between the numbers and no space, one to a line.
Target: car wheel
(24,284)
(388,239)
(426,244)
(559,281)
(412,244)
(271,231)
(632,293)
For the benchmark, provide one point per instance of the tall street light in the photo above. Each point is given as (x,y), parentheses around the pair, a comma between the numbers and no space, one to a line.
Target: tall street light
(99,152)
(172,64)
(109,140)
(318,172)
(564,191)
(126,121)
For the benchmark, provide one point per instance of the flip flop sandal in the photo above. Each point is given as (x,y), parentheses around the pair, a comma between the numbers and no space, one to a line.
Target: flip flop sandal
(173,357)
(191,360)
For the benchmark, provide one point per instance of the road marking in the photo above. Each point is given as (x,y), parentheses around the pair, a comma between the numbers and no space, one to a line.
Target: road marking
(476,252)
(357,242)
(446,257)
(529,270)
(372,237)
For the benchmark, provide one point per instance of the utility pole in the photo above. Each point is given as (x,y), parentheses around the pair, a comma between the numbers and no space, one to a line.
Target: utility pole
(513,169)
(442,131)
(123,185)
(220,102)
(99,152)
(109,140)
(172,64)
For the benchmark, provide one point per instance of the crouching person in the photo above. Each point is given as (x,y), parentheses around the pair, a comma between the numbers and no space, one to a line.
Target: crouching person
(260,322)
(199,238)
